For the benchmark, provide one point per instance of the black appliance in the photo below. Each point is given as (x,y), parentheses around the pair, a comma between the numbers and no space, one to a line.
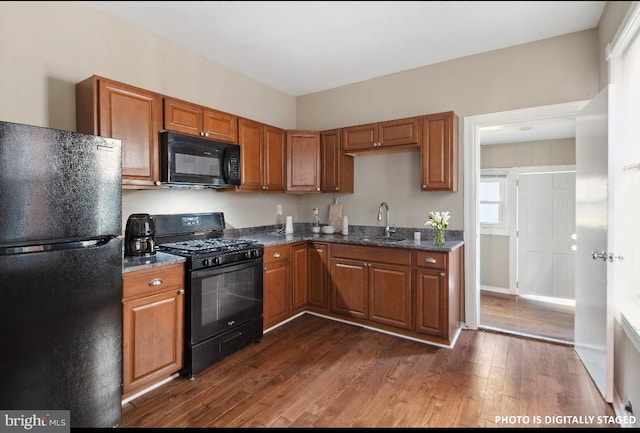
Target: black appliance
(196,162)
(60,274)
(139,238)
(223,296)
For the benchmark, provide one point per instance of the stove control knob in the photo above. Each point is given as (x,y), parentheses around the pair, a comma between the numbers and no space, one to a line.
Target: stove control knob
(216,260)
(206,262)
(247,254)
(255,253)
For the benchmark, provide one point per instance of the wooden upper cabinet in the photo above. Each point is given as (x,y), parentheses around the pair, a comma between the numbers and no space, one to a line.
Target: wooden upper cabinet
(133,115)
(303,161)
(336,168)
(262,156)
(384,136)
(192,119)
(439,152)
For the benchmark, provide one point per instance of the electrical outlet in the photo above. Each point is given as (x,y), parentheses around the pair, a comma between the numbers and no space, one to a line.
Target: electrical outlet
(279,209)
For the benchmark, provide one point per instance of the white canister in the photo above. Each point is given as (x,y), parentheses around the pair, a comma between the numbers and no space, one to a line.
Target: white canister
(345,226)
(288,227)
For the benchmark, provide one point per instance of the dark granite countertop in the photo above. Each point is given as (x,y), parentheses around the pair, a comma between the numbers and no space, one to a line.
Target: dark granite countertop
(401,239)
(130,264)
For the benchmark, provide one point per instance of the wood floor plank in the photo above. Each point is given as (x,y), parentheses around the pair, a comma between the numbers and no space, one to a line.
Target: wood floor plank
(313,372)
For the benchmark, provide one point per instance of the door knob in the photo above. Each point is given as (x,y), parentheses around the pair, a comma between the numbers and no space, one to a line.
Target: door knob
(599,255)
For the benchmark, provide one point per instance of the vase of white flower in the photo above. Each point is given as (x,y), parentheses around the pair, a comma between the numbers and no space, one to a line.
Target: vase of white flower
(439,221)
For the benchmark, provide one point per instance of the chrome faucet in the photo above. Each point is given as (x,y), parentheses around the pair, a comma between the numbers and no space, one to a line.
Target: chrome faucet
(387,230)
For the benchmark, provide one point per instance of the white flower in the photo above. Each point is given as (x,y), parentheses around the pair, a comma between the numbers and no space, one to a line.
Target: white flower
(438,220)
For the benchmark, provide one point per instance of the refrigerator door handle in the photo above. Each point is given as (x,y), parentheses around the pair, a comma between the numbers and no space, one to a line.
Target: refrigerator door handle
(25,249)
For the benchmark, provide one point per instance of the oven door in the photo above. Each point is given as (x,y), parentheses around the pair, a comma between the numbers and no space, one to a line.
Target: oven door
(223,298)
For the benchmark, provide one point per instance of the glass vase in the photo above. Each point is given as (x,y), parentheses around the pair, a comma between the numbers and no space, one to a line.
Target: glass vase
(439,239)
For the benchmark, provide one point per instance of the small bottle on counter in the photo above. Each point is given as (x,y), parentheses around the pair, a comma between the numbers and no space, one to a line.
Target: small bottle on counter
(315,228)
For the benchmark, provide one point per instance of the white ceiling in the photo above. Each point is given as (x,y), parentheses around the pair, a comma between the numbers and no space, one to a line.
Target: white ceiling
(304,47)
(529,131)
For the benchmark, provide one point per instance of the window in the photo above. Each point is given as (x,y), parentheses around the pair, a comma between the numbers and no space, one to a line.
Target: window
(492,206)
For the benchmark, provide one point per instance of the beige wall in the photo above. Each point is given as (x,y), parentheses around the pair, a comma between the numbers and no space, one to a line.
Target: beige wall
(551,71)
(494,261)
(529,154)
(47,47)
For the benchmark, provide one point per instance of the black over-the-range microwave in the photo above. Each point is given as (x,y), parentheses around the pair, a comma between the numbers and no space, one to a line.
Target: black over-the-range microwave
(197,162)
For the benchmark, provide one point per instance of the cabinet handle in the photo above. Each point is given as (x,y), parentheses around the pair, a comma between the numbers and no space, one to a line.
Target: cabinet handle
(155,282)
(430,260)
(181,292)
(442,274)
(276,255)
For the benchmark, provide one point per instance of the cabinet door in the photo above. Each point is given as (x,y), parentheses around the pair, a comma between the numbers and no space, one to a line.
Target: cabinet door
(300,270)
(303,161)
(217,125)
(111,109)
(402,132)
(430,302)
(439,152)
(152,339)
(319,275)
(277,289)
(349,290)
(336,172)
(275,159)
(361,137)
(182,117)
(250,138)
(390,295)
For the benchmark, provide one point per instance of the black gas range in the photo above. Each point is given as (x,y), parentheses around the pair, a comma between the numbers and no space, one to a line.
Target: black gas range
(223,287)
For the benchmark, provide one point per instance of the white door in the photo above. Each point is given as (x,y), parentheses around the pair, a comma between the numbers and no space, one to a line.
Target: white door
(593,313)
(546,224)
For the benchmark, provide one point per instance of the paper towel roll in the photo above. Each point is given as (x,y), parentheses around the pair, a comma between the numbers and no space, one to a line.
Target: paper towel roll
(288,228)
(345,225)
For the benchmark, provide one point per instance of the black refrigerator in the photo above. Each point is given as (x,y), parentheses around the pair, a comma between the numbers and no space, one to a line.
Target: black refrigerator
(60,274)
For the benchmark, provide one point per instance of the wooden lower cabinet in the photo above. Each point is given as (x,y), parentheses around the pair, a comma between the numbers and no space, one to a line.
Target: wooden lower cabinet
(366,287)
(300,273)
(438,292)
(277,284)
(318,295)
(153,326)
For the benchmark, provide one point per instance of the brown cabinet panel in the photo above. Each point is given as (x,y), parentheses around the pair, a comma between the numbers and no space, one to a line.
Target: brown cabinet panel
(392,135)
(350,287)
(192,119)
(430,311)
(133,115)
(439,152)
(152,327)
(303,161)
(390,295)
(336,168)
(275,159)
(300,270)
(319,275)
(262,157)
(277,302)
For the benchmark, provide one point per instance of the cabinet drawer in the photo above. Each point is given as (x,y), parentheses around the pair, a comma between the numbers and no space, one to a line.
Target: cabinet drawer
(275,253)
(428,259)
(153,280)
(373,254)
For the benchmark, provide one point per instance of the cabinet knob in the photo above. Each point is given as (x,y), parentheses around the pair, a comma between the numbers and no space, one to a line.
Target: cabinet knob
(317,189)
(442,274)
(264,187)
(206,134)
(264,269)
(430,260)
(424,186)
(155,282)
(181,292)
(276,255)
(201,134)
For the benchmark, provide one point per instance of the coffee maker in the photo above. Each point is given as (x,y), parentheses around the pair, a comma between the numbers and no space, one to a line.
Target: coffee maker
(139,235)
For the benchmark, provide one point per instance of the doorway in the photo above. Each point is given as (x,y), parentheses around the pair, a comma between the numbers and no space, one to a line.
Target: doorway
(476,128)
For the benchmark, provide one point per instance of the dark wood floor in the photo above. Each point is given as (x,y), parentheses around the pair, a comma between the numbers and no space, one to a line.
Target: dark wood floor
(527,316)
(316,372)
